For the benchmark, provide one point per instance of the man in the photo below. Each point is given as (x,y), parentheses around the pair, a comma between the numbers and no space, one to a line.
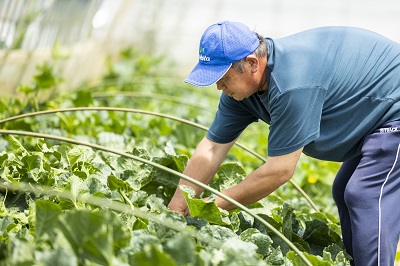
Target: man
(332,93)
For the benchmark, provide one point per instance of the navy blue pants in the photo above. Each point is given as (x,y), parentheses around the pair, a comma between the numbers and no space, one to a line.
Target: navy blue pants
(367,193)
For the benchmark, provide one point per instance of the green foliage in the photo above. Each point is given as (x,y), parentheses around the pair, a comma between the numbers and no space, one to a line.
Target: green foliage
(49,229)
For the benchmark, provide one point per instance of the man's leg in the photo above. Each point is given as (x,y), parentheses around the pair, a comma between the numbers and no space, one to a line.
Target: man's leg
(372,196)
(342,178)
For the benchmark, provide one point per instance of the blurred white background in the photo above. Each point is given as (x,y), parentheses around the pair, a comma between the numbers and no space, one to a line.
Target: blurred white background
(89,30)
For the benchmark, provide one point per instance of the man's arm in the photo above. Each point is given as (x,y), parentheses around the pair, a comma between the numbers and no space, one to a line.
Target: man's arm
(202,166)
(267,178)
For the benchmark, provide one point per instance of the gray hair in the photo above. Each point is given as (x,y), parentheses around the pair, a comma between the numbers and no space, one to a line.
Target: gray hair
(260,52)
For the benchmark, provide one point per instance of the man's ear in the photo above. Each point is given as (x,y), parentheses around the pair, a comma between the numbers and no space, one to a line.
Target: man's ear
(254,63)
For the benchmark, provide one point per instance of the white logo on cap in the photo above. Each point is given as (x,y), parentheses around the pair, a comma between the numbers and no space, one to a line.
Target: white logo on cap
(204,58)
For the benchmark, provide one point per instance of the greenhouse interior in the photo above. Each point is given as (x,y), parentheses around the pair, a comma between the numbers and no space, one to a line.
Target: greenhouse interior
(99,132)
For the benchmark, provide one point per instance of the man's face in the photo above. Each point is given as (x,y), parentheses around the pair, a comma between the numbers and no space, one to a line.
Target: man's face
(238,85)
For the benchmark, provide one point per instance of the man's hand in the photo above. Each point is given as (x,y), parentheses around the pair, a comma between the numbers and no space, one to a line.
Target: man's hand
(178,204)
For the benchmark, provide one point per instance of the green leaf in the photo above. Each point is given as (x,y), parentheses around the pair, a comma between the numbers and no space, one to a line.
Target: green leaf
(155,203)
(318,235)
(262,241)
(152,256)
(229,174)
(31,161)
(94,235)
(56,256)
(5,223)
(314,260)
(46,217)
(3,158)
(290,224)
(238,253)
(276,257)
(96,187)
(205,210)
(16,145)
(81,154)
(140,238)
(46,77)
(115,183)
(182,249)
(169,149)
(83,98)
(180,162)
(216,235)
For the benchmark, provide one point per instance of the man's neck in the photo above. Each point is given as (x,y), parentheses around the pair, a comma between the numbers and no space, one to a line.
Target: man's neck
(263,81)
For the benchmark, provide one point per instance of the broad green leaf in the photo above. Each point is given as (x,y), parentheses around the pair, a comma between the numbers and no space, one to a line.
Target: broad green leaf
(276,257)
(314,260)
(5,222)
(94,235)
(246,220)
(16,145)
(115,184)
(46,217)
(152,256)
(180,162)
(205,210)
(235,223)
(163,178)
(142,153)
(229,174)
(182,249)
(95,187)
(262,228)
(342,258)
(3,158)
(216,235)
(290,224)
(80,153)
(20,253)
(46,77)
(235,252)
(136,178)
(82,98)
(156,204)
(337,252)
(169,149)
(59,256)
(31,161)
(318,235)
(262,241)
(195,222)
(139,239)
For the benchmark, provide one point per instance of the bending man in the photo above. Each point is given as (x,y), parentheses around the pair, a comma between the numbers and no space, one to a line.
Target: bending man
(331,93)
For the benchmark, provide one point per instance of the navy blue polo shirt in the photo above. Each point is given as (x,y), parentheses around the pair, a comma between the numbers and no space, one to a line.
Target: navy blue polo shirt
(327,88)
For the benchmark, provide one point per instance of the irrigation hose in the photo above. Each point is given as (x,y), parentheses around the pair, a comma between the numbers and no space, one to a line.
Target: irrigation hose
(166,169)
(139,111)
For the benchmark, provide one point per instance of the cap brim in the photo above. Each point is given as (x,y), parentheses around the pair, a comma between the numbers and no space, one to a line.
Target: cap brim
(205,75)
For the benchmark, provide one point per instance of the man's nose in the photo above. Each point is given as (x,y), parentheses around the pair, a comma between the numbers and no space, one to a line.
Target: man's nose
(219,86)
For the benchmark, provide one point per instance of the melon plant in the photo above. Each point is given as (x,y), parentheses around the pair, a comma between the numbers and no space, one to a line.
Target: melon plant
(86,175)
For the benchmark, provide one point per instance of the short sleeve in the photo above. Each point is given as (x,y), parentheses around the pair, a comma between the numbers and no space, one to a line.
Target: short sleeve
(295,119)
(230,120)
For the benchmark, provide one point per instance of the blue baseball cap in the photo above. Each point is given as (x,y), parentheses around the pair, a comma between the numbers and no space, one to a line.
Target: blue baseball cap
(221,45)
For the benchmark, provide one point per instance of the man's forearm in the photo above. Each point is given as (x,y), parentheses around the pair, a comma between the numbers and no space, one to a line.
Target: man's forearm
(253,188)
(263,181)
